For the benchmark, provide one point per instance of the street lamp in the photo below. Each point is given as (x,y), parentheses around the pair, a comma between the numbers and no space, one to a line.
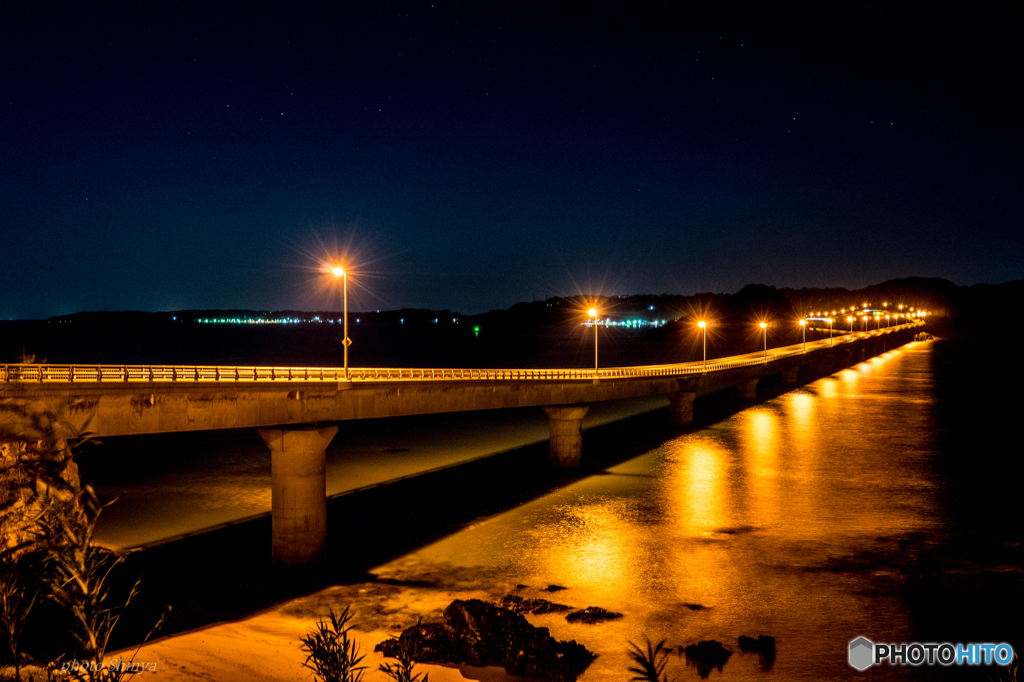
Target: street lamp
(593,313)
(865,320)
(887,322)
(803,325)
(764,326)
(340,272)
(704,332)
(850,320)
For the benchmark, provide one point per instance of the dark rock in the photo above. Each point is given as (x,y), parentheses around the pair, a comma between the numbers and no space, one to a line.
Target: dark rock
(592,614)
(481,634)
(534,606)
(763,645)
(706,655)
(553,588)
(695,607)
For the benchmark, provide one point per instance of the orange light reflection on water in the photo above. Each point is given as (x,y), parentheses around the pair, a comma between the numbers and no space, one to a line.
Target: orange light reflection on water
(596,544)
(788,518)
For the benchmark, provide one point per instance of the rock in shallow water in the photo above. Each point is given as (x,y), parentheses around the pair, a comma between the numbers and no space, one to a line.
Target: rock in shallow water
(707,655)
(535,606)
(763,645)
(592,614)
(481,634)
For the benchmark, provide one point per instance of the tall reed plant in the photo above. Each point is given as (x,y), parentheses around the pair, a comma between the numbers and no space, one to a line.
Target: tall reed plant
(333,655)
(649,665)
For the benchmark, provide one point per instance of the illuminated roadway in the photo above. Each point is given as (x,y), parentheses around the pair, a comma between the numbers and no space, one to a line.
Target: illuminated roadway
(150,374)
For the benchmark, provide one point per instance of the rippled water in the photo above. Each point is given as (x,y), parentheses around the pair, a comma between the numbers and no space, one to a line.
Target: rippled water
(787,519)
(800,517)
(169,485)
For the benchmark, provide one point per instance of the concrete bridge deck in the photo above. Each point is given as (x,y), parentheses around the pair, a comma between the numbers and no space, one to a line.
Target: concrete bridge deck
(114,400)
(297,409)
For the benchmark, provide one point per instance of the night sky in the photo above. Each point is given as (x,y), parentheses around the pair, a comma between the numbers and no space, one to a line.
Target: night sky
(167,155)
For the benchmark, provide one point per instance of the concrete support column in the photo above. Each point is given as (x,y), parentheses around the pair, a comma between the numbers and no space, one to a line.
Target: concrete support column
(298,493)
(566,433)
(791,377)
(747,390)
(681,407)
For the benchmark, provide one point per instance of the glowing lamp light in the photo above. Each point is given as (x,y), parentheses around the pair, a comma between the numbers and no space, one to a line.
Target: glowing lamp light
(339,271)
(702,324)
(593,313)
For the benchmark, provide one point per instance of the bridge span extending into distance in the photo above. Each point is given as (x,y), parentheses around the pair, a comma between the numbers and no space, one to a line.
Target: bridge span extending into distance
(297,410)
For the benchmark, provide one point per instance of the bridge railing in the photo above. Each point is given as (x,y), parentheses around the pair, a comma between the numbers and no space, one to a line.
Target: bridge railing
(213,373)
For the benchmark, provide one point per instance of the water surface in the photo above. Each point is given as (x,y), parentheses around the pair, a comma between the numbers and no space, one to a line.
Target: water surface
(815,517)
(791,518)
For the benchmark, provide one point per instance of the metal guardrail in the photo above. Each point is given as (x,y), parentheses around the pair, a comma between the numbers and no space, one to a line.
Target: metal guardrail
(212,373)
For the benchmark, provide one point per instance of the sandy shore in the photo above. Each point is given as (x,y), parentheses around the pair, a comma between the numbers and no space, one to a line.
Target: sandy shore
(267,644)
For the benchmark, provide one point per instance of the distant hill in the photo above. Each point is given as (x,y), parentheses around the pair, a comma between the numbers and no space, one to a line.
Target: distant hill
(546,333)
(940,297)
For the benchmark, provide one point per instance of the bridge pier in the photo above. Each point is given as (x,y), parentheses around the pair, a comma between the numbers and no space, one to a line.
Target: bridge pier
(566,433)
(681,407)
(791,377)
(747,390)
(298,482)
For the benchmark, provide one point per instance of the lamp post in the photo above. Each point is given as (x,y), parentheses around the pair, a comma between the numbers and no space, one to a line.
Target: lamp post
(340,272)
(764,326)
(865,320)
(803,325)
(850,320)
(593,313)
(704,332)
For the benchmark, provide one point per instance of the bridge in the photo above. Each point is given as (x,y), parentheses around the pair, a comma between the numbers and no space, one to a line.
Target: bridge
(296,409)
